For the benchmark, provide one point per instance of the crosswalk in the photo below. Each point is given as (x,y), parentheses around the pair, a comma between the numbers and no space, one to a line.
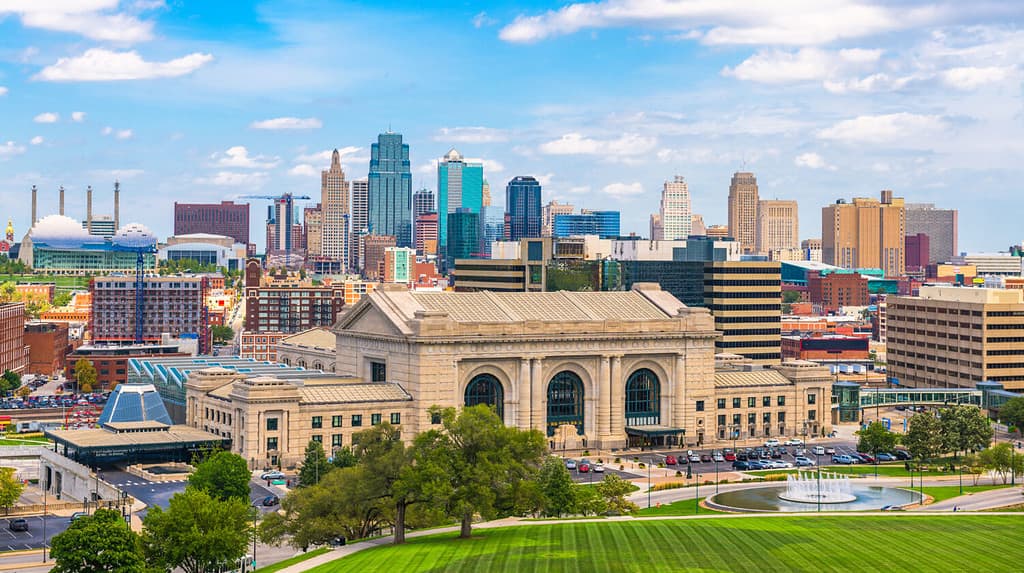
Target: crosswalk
(142,483)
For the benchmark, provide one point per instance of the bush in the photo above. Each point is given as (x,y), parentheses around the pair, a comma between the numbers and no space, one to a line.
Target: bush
(586,453)
(641,466)
(618,460)
(679,473)
(775,477)
(661,464)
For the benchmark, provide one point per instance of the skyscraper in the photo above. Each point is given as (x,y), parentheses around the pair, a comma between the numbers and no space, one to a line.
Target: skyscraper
(463,236)
(941,227)
(312,218)
(360,221)
(423,202)
(460,185)
(390,189)
(657,228)
(334,208)
(777,226)
(605,224)
(675,210)
(522,203)
(548,213)
(866,233)
(486,199)
(743,210)
(426,234)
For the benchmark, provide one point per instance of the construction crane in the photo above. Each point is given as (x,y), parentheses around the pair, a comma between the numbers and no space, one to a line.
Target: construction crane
(136,238)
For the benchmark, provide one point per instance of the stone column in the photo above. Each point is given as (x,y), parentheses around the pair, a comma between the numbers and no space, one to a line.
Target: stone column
(618,400)
(538,397)
(604,395)
(679,396)
(525,406)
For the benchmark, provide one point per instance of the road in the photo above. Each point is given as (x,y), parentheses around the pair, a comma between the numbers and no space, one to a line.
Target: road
(33,538)
(981,500)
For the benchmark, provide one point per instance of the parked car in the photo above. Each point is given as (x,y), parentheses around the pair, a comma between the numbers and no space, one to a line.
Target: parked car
(583,467)
(18,525)
(759,464)
(693,458)
(271,500)
(868,459)
(771,443)
(272,474)
(903,455)
(885,457)
(598,468)
(740,466)
(819,450)
(670,460)
(780,465)
(830,451)
(802,461)
(729,456)
(570,464)
(705,458)
(742,457)
(794,442)
(718,457)
(842,459)
(78,515)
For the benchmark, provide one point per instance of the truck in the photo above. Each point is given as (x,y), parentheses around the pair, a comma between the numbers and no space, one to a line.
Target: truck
(859,369)
(27,427)
(844,368)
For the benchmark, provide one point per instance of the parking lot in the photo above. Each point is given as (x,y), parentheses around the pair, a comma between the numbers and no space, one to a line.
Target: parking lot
(33,538)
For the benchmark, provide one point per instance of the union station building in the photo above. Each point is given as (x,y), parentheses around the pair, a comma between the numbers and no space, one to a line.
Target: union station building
(597,370)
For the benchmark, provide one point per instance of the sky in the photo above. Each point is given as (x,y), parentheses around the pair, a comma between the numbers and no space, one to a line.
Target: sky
(198,101)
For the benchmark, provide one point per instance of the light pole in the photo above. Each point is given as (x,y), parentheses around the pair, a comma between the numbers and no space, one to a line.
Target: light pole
(716,474)
(648,483)
(817,460)
(42,482)
(696,498)
(255,514)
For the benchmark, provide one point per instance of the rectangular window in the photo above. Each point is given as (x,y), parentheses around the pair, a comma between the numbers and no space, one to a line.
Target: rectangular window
(721,403)
(317,438)
(781,416)
(374,419)
(335,421)
(766,401)
(396,418)
(736,419)
(357,420)
(811,398)
(811,414)
(751,419)
(271,444)
(700,405)
(435,418)
(721,419)
(751,402)
(766,417)
(335,440)
(271,424)
(781,400)
(378,372)
(735,402)
(318,422)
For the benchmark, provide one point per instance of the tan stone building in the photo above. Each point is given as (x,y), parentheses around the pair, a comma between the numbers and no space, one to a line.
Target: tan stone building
(778,226)
(743,200)
(313,348)
(866,233)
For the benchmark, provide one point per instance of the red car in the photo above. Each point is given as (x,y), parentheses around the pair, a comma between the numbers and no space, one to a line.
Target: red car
(730,457)
(583,468)
(705,458)
(670,460)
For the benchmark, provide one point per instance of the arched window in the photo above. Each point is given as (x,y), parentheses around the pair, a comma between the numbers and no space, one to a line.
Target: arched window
(286,361)
(643,399)
(486,389)
(318,366)
(565,402)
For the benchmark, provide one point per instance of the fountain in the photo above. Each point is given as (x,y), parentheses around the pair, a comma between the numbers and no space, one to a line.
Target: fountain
(809,487)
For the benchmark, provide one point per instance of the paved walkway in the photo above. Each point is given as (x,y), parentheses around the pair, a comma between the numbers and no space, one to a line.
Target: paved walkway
(981,500)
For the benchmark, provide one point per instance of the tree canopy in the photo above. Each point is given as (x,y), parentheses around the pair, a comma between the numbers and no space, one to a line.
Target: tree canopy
(197,533)
(875,438)
(95,543)
(85,375)
(557,487)
(924,438)
(964,429)
(223,475)
(10,488)
(314,465)
(222,334)
(1012,413)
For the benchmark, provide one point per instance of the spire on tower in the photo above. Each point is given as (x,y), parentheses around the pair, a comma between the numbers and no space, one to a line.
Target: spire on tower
(335,160)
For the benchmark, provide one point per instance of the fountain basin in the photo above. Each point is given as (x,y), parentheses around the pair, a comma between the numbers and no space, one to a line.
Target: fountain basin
(769,499)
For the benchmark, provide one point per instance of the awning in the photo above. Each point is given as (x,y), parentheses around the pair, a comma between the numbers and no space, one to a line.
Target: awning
(654,430)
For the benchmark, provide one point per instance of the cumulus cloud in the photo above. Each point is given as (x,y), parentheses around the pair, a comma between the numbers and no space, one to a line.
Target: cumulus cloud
(117,28)
(470,135)
(124,134)
(888,128)
(238,156)
(234,179)
(970,78)
(102,65)
(78,116)
(303,170)
(577,144)
(3,91)
(287,123)
(806,64)
(324,156)
(482,19)
(623,189)
(46,117)
(36,140)
(811,160)
(10,149)
(107,130)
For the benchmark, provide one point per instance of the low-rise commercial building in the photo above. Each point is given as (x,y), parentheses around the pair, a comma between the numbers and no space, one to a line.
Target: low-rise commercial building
(825,348)
(48,345)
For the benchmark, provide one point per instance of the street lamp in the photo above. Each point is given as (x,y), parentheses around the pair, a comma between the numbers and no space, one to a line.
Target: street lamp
(255,514)
(716,474)
(696,498)
(817,462)
(648,483)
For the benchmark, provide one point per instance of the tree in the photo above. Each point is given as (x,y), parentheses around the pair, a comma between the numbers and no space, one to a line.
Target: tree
(196,533)
(222,334)
(556,485)
(23,392)
(10,381)
(1012,413)
(924,436)
(99,542)
(614,491)
(587,500)
(10,489)
(314,466)
(875,438)
(964,429)
(85,375)
(8,292)
(344,458)
(1001,460)
(62,299)
(223,475)
(474,463)
(790,296)
(386,461)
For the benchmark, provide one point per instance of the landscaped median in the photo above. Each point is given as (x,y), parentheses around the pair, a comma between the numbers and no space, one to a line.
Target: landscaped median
(791,543)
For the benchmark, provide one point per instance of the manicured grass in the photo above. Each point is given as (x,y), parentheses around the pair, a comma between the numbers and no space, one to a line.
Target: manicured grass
(681,507)
(60,281)
(944,492)
(1008,508)
(24,442)
(292,561)
(829,543)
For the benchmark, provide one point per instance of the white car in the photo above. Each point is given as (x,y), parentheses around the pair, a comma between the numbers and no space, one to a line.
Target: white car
(771,443)
(599,468)
(794,442)
(718,457)
(273,474)
(819,450)
(779,464)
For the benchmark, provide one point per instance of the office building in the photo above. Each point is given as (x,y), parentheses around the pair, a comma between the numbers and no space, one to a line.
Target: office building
(335,215)
(459,186)
(605,224)
(697,227)
(426,234)
(745,299)
(282,307)
(675,213)
(486,201)
(312,226)
(865,233)
(811,249)
(824,348)
(360,221)
(657,230)
(48,345)
(111,362)
(463,236)
(994,264)
(225,218)
(956,336)
(523,205)
(941,227)
(778,227)
(918,249)
(373,247)
(14,356)
(833,290)
(496,223)
(390,189)
(423,202)
(102,226)
(399,265)
(548,213)
(717,232)
(173,305)
(743,202)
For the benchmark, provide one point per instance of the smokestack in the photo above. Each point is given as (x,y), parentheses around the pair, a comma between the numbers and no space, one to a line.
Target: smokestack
(34,193)
(88,209)
(117,205)
(61,211)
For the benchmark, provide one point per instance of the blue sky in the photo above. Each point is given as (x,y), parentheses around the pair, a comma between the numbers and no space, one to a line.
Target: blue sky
(603,101)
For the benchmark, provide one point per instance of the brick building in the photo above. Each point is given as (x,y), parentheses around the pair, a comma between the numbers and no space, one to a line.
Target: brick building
(111,362)
(13,354)
(288,307)
(373,254)
(48,345)
(225,218)
(838,289)
(173,305)
(818,347)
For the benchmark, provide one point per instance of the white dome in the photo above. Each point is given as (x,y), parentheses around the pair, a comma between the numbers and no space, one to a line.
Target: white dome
(61,232)
(133,236)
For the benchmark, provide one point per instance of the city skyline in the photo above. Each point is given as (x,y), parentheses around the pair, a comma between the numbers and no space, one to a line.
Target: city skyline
(841,113)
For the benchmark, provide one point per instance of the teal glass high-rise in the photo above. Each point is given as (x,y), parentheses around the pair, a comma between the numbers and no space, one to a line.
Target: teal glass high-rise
(460,185)
(390,189)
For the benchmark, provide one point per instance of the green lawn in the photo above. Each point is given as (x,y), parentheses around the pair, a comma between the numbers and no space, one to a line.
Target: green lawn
(944,492)
(847,543)
(289,562)
(681,507)
(60,281)
(24,441)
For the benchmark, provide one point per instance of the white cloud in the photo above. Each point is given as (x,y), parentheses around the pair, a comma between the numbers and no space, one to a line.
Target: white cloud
(36,140)
(107,130)
(234,179)
(47,117)
(623,189)
(970,78)
(428,168)
(806,64)
(78,116)
(99,65)
(117,28)
(288,123)
(796,22)
(3,91)
(872,83)
(303,170)
(579,190)
(888,128)
(10,149)
(482,19)
(124,134)
(577,144)
(490,165)
(811,160)
(238,156)
(324,157)
(470,135)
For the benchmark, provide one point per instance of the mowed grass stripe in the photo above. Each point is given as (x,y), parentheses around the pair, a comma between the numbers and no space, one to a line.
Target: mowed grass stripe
(801,543)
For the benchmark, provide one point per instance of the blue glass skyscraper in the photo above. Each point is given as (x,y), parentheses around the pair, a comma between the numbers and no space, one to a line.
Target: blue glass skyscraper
(602,223)
(390,189)
(523,204)
(460,185)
